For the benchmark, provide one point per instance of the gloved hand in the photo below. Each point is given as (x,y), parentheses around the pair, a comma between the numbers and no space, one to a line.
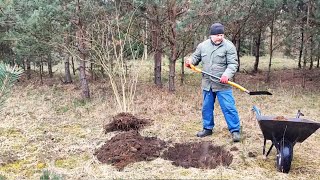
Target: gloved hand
(187,63)
(224,79)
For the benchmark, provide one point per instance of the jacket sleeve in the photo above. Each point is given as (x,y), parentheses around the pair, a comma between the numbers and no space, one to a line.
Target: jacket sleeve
(196,56)
(232,62)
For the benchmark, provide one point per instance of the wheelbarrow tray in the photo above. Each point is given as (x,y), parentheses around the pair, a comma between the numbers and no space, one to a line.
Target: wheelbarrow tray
(292,129)
(284,134)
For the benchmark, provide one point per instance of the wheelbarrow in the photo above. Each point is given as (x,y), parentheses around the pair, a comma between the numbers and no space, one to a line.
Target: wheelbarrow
(284,134)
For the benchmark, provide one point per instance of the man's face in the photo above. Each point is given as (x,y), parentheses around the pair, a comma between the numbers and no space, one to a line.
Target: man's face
(217,39)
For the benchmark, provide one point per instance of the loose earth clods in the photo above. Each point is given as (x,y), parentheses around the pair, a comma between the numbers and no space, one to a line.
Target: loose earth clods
(129,147)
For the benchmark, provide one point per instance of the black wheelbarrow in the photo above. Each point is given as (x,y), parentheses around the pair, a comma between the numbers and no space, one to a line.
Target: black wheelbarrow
(284,134)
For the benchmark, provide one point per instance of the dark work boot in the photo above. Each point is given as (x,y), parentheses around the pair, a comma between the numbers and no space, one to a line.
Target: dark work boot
(236,136)
(204,132)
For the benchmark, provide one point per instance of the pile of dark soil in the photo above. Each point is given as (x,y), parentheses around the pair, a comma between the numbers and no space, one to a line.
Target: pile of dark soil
(126,122)
(199,155)
(129,147)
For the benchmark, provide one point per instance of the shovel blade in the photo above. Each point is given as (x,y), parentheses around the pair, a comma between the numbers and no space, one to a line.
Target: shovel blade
(259,93)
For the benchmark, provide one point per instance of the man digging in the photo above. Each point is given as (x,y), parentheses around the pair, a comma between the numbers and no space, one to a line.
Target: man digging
(218,57)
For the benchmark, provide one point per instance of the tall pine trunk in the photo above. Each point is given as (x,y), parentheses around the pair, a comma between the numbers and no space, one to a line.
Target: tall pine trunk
(157,45)
(49,62)
(83,54)
(301,47)
(238,46)
(92,71)
(28,65)
(145,41)
(41,70)
(271,48)
(67,39)
(318,56)
(83,79)
(182,67)
(24,64)
(311,53)
(72,65)
(173,44)
(258,43)
(304,74)
(67,76)
(172,72)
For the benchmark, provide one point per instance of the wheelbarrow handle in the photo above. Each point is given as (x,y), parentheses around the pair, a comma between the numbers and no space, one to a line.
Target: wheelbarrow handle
(229,82)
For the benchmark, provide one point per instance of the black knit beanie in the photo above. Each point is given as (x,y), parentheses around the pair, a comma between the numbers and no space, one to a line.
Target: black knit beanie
(216,28)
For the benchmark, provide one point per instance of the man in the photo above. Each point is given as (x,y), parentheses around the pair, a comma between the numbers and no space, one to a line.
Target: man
(218,57)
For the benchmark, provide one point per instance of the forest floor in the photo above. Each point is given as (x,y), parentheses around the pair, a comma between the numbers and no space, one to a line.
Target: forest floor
(49,127)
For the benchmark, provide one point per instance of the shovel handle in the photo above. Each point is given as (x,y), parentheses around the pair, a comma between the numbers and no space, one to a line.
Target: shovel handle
(238,86)
(195,68)
(229,82)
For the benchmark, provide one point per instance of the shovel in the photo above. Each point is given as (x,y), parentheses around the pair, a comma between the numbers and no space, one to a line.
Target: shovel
(231,83)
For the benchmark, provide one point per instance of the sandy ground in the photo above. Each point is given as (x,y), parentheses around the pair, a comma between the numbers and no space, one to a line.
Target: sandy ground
(49,127)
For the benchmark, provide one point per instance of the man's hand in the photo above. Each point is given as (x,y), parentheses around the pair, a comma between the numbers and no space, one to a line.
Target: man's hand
(224,79)
(187,62)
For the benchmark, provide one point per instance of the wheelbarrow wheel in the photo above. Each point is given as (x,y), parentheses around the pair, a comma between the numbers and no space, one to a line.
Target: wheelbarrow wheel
(284,156)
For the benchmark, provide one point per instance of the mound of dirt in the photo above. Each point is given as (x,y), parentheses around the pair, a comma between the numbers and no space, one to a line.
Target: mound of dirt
(129,147)
(126,122)
(199,155)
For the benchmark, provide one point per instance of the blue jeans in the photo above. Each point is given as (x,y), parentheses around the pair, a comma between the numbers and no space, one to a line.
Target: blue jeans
(227,104)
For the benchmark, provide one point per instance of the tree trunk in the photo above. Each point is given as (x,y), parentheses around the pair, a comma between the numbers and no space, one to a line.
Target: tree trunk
(157,68)
(318,56)
(28,64)
(258,42)
(72,65)
(67,77)
(172,72)
(67,40)
(238,44)
(157,45)
(83,54)
(83,79)
(173,43)
(182,67)
(304,74)
(301,47)
(41,71)
(311,53)
(92,71)
(50,66)
(145,46)
(24,64)
(270,48)
(251,46)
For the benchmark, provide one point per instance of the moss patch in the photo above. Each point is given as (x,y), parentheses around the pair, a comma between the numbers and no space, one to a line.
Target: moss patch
(73,129)
(23,167)
(11,132)
(71,162)
(15,167)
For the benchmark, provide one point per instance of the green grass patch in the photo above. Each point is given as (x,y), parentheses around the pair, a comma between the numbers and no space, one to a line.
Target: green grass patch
(71,162)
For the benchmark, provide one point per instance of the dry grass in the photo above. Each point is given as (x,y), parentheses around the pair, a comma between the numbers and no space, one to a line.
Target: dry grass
(50,127)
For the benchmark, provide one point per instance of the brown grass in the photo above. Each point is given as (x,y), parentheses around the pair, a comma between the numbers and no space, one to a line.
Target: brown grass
(50,127)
